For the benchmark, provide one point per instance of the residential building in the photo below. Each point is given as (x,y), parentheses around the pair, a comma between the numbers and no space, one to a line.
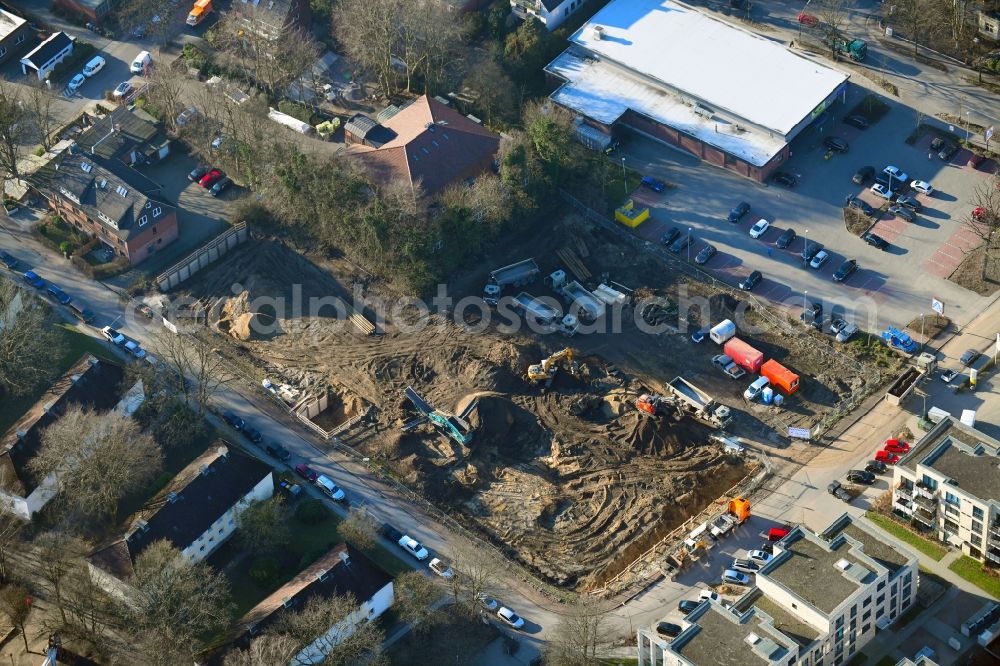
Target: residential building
(273,19)
(94,11)
(14,34)
(342,571)
(425,144)
(693,81)
(818,601)
(552,13)
(128,136)
(108,201)
(196,512)
(43,58)
(949,485)
(989,24)
(91,384)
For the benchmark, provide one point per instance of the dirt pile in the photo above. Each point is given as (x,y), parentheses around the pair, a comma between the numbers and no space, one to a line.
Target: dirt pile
(235,318)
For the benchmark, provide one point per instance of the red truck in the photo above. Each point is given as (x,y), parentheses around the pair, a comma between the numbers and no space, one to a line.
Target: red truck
(743,354)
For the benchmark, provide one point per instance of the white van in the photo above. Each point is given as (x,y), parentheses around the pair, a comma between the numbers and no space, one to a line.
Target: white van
(95,65)
(754,389)
(141,62)
(330,488)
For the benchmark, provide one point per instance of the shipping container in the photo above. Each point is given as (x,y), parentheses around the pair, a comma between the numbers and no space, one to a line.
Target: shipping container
(744,355)
(722,331)
(780,376)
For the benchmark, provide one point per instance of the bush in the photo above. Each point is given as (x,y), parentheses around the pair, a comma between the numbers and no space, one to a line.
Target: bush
(312,512)
(194,57)
(296,111)
(264,569)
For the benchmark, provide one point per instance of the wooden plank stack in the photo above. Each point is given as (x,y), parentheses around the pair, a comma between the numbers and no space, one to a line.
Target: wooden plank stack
(573,263)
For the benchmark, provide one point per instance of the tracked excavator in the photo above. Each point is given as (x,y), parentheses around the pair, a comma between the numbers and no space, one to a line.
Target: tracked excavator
(657,405)
(546,370)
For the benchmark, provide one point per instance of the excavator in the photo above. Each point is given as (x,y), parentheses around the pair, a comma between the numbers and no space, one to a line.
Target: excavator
(657,405)
(454,426)
(546,370)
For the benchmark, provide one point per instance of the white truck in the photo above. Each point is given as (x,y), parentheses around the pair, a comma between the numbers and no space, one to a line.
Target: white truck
(520,274)
(582,303)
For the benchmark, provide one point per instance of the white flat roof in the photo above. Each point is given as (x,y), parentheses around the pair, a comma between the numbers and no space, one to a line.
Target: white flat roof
(724,66)
(600,91)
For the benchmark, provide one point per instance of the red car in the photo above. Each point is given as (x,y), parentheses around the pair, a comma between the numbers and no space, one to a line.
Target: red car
(306,472)
(887,457)
(777,533)
(211,178)
(896,446)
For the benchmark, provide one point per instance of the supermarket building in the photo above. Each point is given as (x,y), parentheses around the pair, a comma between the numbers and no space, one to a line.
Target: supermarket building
(695,82)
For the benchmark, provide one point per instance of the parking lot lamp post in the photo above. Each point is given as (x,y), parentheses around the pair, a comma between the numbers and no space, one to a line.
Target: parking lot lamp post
(689,245)
(624,177)
(805,297)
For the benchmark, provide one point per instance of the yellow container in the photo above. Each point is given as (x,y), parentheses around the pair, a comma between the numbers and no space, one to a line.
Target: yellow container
(631,216)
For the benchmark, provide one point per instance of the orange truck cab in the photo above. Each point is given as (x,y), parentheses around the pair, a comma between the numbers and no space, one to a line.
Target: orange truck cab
(199,11)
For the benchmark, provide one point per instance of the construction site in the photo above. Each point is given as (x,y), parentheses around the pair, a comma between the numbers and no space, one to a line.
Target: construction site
(572,452)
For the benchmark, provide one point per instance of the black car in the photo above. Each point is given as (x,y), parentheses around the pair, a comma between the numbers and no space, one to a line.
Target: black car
(767,547)
(252,433)
(876,467)
(835,143)
(278,451)
(681,243)
(736,214)
(235,421)
(903,212)
(969,357)
(910,203)
(220,185)
(670,236)
(668,629)
(937,143)
(948,151)
(751,281)
(857,121)
(845,271)
(875,241)
(8,260)
(706,253)
(785,239)
(687,605)
(861,476)
(199,173)
(390,533)
(783,178)
(862,175)
(859,204)
(810,250)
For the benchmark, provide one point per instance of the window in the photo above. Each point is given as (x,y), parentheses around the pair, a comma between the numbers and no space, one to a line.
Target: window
(854,611)
(868,602)
(881,598)
(977,541)
(907,578)
(952,499)
(977,513)
(881,586)
(929,482)
(854,625)
(840,622)
(892,614)
(867,615)
(865,628)
(879,613)
(977,527)
(906,592)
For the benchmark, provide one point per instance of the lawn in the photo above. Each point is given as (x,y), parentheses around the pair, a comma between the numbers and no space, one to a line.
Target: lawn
(928,548)
(972,571)
(73,344)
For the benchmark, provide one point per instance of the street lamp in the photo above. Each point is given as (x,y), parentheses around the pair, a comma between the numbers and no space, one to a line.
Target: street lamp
(805,296)
(923,340)
(805,252)
(966,126)
(690,241)
(624,177)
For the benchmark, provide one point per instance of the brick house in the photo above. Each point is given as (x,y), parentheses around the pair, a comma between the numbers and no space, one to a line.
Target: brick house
(108,201)
(14,33)
(128,136)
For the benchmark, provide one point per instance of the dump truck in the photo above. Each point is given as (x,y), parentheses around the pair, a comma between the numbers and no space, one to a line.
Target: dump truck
(698,404)
(903,385)
(855,49)
(743,354)
(199,12)
(533,307)
(520,274)
(780,376)
(582,302)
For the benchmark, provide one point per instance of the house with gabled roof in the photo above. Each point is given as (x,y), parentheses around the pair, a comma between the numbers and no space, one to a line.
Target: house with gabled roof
(14,35)
(129,136)
(43,58)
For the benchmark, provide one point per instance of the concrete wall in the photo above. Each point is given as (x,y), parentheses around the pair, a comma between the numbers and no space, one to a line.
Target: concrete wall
(202,257)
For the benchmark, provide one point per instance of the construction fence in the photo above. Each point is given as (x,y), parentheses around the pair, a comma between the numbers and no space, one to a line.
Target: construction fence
(202,257)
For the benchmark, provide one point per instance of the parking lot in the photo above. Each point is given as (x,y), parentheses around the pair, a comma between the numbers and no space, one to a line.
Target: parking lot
(885,289)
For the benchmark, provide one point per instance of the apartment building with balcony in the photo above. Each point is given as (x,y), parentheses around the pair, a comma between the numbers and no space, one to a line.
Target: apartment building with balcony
(817,603)
(949,485)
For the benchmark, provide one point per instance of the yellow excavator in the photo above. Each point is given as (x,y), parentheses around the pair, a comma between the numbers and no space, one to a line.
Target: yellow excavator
(546,370)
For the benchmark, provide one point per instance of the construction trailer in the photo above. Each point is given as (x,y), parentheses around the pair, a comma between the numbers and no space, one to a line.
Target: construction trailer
(780,376)
(450,425)
(744,355)
(722,331)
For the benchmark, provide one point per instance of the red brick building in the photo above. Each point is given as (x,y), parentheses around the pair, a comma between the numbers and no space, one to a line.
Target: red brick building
(109,201)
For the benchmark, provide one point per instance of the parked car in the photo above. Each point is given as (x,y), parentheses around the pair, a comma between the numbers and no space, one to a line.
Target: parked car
(948,151)
(936,143)
(252,434)
(441,568)
(896,446)
(198,173)
(861,476)
(745,566)
(278,451)
(813,314)
(306,472)
(896,175)
(838,491)
(653,183)
(777,533)
(122,90)
(785,239)
(289,488)
(819,259)
(487,602)
(751,281)
(835,143)
(756,388)
(948,375)
(857,121)
(736,214)
(682,243)
(668,629)
(211,178)
(113,336)
(685,606)
(725,363)
(217,141)
(700,334)
(837,325)
(876,467)
(58,294)
(761,556)
(784,179)
(846,333)
(670,236)
(922,186)
(75,83)
(8,260)
(903,212)
(734,577)
(845,271)
(706,253)
(93,66)
(863,175)
(759,228)
(413,547)
(233,420)
(133,348)
(709,595)
(510,618)
(969,357)
(910,203)
(329,488)
(220,186)
(859,204)
(880,190)
(886,457)
(875,241)
(186,115)
(32,278)
(810,250)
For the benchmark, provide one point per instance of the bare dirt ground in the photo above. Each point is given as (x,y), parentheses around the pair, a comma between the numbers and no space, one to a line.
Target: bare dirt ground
(573,482)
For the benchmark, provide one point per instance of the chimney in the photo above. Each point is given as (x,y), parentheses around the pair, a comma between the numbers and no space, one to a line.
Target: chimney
(597,33)
(21,434)
(75,378)
(344,557)
(223,452)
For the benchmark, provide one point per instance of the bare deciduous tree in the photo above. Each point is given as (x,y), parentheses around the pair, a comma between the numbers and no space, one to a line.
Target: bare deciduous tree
(921,20)
(15,604)
(497,95)
(26,340)
(195,371)
(166,88)
(359,528)
(58,556)
(417,599)
(578,639)
(11,529)
(97,458)
(40,100)
(477,573)
(15,130)
(984,220)
(834,14)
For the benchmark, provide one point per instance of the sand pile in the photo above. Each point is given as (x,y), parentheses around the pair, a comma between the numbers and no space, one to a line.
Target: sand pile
(651,436)
(235,318)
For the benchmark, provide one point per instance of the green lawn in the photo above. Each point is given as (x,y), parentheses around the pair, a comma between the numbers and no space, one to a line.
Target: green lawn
(972,571)
(74,344)
(925,546)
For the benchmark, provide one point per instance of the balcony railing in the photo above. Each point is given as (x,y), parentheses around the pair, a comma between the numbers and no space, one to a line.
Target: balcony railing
(904,506)
(926,503)
(993,539)
(995,528)
(925,517)
(526,5)
(924,491)
(903,491)
(993,556)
